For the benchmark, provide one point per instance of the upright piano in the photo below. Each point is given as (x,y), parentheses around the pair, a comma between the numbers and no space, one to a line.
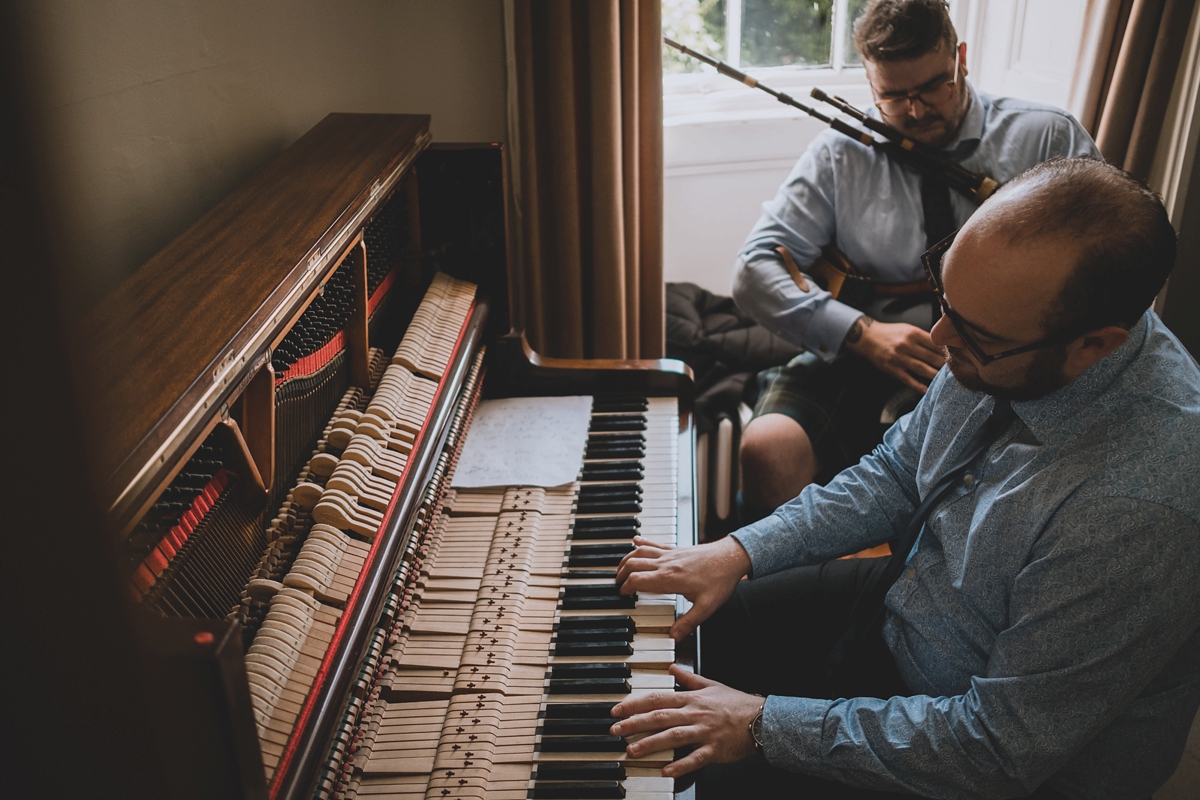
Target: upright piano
(278,401)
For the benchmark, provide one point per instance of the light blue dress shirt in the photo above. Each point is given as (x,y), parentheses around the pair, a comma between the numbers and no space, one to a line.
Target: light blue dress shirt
(870,205)
(1047,622)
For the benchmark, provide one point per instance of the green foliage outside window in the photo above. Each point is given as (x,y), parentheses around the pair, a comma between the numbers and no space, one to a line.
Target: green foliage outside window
(774,32)
(698,24)
(854,9)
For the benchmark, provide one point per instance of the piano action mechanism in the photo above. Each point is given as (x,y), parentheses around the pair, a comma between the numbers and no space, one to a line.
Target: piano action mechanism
(279,400)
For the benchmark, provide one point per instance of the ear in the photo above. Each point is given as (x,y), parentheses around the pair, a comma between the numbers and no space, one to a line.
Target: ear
(962,58)
(1093,346)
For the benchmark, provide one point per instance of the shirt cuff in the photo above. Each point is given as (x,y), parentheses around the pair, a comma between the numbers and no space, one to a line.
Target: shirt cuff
(792,732)
(767,543)
(828,327)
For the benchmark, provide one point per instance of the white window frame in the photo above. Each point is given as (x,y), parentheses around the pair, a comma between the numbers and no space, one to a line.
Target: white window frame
(708,96)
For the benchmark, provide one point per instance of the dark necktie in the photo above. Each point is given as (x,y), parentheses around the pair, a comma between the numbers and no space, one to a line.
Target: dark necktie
(939,214)
(869,607)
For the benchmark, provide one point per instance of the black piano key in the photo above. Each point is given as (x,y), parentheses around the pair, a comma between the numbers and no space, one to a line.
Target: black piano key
(589,685)
(617,450)
(602,404)
(615,621)
(613,443)
(590,490)
(599,603)
(582,744)
(606,506)
(612,466)
(580,771)
(577,790)
(609,496)
(579,710)
(613,471)
(606,533)
(593,649)
(618,422)
(595,498)
(617,436)
(594,560)
(591,590)
(576,727)
(595,635)
(580,574)
(603,669)
(618,548)
(597,523)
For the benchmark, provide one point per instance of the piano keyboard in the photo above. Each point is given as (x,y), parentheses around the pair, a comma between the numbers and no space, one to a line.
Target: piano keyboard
(514,643)
(506,643)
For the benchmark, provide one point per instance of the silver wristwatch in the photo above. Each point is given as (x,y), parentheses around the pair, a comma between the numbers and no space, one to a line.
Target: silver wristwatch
(756,730)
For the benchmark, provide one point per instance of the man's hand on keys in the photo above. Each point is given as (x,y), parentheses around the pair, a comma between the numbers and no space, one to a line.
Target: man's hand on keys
(711,716)
(705,574)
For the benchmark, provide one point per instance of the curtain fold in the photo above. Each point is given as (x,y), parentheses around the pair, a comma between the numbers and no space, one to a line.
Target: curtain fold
(1143,61)
(585,133)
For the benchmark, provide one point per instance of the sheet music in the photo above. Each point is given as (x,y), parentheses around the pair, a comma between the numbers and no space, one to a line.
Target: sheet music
(525,441)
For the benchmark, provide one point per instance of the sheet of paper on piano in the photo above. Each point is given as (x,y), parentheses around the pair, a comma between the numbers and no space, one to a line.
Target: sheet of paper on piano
(525,441)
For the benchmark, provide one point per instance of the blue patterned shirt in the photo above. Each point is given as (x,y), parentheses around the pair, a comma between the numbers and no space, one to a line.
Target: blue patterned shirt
(1048,621)
(870,205)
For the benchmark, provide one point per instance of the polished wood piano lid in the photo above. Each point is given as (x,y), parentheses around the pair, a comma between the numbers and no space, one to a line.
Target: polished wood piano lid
(185,332)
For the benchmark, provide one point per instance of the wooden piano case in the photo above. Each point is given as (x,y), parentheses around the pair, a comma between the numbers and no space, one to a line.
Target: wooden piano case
(211,371)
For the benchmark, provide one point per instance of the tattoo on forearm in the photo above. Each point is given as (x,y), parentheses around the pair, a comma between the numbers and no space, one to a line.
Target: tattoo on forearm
(856,330)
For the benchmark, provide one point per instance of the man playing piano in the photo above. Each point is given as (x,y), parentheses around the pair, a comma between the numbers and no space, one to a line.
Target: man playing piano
(1042,637)
(821,412)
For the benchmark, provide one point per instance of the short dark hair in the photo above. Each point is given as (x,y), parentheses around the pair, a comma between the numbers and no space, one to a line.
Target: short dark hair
(1128,243)
(898,30)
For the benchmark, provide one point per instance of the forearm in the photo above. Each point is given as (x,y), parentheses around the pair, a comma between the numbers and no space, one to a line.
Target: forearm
(861,507)
(812,319)
(935,747)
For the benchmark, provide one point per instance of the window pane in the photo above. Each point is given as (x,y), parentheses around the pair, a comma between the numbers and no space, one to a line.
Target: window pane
(698,24)
(776,32)
(854,11)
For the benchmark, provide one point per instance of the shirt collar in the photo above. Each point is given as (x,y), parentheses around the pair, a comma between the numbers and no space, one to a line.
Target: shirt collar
(970,130)
(1044,415)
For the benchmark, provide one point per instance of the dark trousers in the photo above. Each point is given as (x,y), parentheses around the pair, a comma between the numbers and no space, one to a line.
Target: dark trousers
(774,637)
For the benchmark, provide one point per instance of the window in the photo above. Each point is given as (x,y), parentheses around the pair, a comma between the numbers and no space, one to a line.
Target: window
(806,34)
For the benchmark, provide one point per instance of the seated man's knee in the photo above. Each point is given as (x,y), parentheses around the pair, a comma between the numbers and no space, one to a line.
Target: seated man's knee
(777,459)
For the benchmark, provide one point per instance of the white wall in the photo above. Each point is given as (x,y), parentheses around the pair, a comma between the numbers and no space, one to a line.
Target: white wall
(151,111)
(717,176)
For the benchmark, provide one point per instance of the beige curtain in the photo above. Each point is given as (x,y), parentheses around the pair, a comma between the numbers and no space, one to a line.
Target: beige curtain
(1140,69)
(585,144)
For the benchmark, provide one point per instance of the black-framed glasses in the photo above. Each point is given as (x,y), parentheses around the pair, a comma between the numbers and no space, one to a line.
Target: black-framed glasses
(934,95)
(931,259)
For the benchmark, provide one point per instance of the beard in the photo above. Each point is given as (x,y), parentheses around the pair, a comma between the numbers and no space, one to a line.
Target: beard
(1043,375)
(931,129)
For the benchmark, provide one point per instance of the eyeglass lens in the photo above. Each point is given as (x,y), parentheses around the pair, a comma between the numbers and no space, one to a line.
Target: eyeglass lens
(896,106)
